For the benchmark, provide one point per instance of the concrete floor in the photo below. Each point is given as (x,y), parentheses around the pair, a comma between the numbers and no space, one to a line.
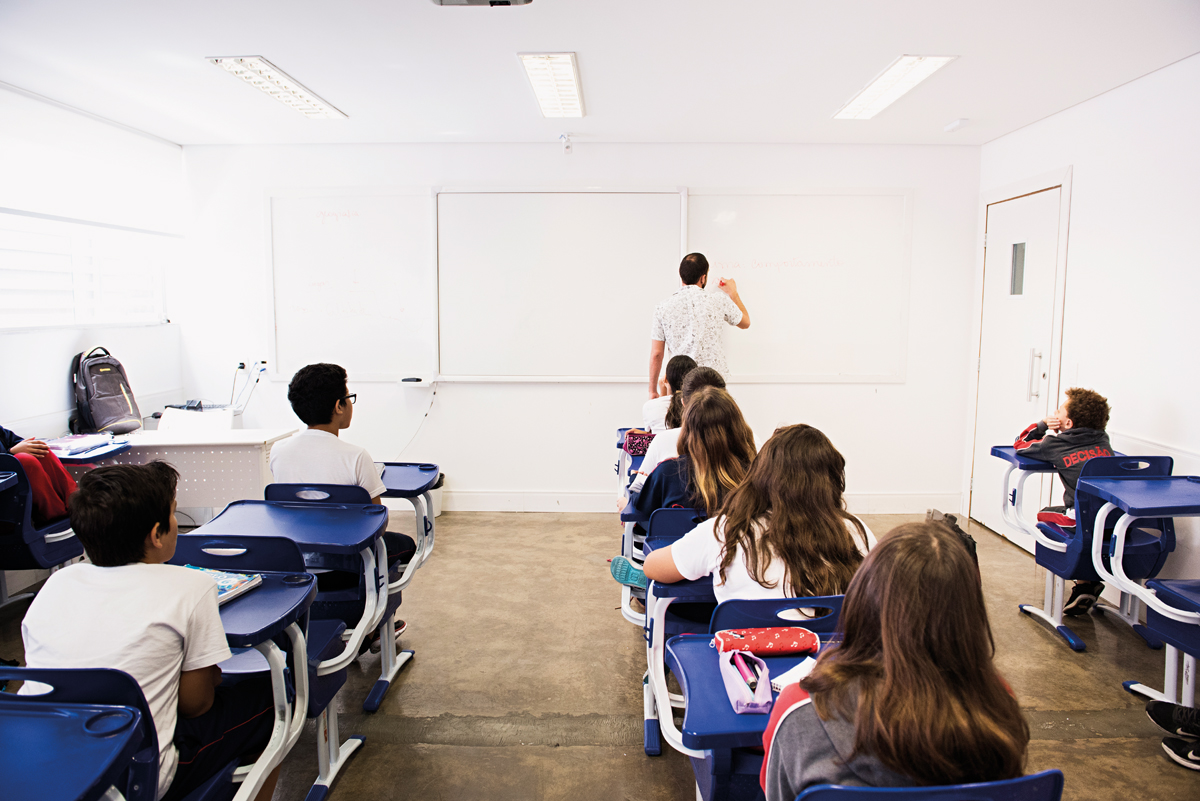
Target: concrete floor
(527,682)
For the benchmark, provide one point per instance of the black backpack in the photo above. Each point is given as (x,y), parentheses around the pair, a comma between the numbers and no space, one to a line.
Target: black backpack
(103,400)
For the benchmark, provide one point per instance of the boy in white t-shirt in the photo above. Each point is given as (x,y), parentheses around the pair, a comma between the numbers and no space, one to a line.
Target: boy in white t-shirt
(320,397)
(130,611)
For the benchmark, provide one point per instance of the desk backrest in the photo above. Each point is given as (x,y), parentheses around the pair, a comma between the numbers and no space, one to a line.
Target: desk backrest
(1044,786)
(239,554)
(668,525)
(740,613)
(1086,504)
(320,493)
(16,502)
(99,686)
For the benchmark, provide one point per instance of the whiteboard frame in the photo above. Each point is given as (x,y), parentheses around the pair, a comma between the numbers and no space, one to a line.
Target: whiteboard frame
(900,375)
(270,194)
(681,191)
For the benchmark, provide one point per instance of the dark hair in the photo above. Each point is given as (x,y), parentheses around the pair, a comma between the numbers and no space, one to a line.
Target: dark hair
(1087,408)
(917,650)
(795,487)
(677,370)
(315,390)
(718,445)
(116,507)
(693,267)
(698,379)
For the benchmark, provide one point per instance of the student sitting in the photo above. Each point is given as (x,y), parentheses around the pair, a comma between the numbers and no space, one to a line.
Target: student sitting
(1079,427)
(910,696)
(663,446)
(157,622)
(320,397)
(715,450)
(666,411)
(49,481)
(783,532)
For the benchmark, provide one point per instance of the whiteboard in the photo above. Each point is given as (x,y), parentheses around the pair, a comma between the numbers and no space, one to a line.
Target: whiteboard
(353,282)
(825,278)
(553,284)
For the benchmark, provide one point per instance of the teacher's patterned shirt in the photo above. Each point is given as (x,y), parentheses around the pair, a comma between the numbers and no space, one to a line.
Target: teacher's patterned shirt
(690,322)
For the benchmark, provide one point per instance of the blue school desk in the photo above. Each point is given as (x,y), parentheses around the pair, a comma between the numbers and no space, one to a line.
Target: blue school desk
(1011,497)
(330,535)
(7,480)
(1135,498)
(413,481)
(252,620)
(64,752)
(711,729)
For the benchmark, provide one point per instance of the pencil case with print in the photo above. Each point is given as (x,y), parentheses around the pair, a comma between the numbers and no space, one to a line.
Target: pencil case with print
(636,442)
(775,641)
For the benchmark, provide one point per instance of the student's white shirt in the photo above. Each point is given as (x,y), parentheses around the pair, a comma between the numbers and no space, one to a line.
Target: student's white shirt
(313,456)
(151,621)
(654,413)
(664,446)
(698,554)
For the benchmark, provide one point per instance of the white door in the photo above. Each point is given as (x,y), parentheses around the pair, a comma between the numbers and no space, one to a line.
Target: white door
(1017,383)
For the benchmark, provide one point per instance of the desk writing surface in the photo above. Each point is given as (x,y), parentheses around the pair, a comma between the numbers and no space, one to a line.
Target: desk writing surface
(408,479)
(268,609)
(233,436)
(319,527)
(95,454)
(709,720)
(58,752)
(1164,496)
(1011,454)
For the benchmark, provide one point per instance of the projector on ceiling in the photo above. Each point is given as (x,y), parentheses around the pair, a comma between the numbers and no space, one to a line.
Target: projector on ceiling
(482,2)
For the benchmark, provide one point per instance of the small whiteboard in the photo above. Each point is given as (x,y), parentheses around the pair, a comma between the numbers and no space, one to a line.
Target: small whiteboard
(825,278)
(353,280)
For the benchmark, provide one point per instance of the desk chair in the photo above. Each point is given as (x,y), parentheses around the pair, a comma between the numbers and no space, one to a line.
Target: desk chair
(24,546)
(1172,605)
(723,746)
(665,527)
(1044,786)
(1068,555)
(668,525)
(323,640)
(137,778)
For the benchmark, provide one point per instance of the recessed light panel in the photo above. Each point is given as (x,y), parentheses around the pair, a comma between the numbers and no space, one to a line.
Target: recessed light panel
(555,81)
(903,74)
(265,76)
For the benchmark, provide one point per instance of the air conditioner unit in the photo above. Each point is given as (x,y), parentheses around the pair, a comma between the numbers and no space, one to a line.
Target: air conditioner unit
(482,2)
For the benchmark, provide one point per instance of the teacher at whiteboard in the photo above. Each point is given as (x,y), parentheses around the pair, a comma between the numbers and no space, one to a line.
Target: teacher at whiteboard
(689,322)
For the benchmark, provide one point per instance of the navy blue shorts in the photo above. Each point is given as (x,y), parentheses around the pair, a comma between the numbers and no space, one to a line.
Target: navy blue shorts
(237,727)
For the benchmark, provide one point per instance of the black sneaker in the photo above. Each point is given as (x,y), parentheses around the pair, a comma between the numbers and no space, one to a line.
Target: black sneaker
(1083,597)
(1184,752)
(1176,720)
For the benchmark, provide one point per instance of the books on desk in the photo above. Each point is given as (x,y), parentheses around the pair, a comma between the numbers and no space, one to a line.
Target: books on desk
(794,675)
(230,585)
(76,444)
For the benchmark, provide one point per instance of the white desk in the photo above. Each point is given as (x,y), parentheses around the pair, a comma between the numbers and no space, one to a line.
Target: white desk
(215,467)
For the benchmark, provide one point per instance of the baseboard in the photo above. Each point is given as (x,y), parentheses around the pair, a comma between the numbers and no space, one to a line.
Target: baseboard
(599,502)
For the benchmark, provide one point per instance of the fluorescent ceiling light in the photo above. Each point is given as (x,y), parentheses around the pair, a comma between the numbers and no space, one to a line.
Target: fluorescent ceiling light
(903,74)
(555,81)
(262,74)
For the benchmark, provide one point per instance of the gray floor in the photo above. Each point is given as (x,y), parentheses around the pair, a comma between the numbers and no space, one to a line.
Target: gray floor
(527,682)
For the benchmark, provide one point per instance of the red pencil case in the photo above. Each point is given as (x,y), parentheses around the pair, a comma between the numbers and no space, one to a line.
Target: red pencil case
(777,641)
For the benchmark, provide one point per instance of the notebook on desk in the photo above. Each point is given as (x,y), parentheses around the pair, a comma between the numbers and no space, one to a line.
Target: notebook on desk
(230,585)
(78,443)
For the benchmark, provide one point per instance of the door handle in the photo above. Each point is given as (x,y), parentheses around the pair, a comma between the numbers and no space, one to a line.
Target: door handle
(1033,389)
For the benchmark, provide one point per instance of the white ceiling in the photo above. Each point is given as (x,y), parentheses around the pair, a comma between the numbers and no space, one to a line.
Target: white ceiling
(652,70)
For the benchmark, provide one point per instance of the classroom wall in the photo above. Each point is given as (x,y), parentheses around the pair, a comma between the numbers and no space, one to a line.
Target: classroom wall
(551,446)
(1129,326)
(60,163)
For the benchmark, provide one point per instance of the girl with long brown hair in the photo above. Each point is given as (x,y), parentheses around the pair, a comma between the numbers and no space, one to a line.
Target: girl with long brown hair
(715,446)
(910,696)
(783,532)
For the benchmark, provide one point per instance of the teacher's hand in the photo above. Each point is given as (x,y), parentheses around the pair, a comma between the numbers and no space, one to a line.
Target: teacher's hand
(32,446)
(728,286)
